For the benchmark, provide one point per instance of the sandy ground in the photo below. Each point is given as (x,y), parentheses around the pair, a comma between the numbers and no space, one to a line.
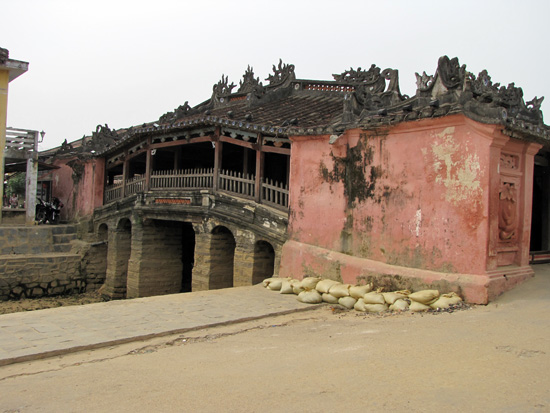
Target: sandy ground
(493,358)
(28,304)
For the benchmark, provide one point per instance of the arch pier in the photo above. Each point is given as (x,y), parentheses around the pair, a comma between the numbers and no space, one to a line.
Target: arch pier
(213,242)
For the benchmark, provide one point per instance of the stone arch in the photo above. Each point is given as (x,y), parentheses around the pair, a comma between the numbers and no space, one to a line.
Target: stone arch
(263,261)
(102,232)
(118,255)
(222,256)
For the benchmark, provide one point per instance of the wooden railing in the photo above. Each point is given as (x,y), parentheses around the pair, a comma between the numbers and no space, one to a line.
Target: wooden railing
(237,183)
(20,143)
(183,179)
(274,193)
(113,192)
(135,185)
(243,185)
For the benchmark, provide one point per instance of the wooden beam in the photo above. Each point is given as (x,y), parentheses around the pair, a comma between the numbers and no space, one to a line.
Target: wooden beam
(181,142)
(232,141)
(273,149)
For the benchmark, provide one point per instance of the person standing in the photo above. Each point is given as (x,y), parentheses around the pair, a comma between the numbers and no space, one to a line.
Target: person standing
(14,201)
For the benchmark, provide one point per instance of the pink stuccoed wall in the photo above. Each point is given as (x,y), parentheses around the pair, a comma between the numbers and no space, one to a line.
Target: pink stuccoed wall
(80,193)
(419,195)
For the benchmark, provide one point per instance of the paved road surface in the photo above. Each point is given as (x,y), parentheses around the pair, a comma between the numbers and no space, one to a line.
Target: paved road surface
(38,334)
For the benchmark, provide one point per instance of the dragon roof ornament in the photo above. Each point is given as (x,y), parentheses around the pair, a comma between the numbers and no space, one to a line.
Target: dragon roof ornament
(282,74)
(357,98)
(249,82)
(179,112)
(371,92)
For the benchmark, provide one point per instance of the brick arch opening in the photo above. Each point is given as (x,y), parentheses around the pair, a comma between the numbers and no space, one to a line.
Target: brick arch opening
(187,256)
(222,255)
(103,233)
(264,261)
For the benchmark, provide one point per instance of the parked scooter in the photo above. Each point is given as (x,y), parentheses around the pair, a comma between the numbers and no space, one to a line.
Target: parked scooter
(48,211)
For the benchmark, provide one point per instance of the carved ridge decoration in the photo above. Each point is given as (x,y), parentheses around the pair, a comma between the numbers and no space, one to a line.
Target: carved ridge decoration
(424,82)
(249,82)
(372,92)
(178,113)
(451,73)
(223,88)
(507,214)
(281,74)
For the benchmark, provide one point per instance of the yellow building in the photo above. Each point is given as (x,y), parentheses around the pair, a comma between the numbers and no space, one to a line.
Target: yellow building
(9,70)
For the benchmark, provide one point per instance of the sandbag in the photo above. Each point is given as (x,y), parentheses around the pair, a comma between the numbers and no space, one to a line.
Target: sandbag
(425,296)
(392,297)
(374,298)
(309,283)
(266,282)
(286,287)
(327,298)
(358,291)
(340,290)
(446,300)
(347,302)
(399,305)
(276,283)
(296,286)
(310,297)
(323,286)
(416,306)
(360,305)
(375,308)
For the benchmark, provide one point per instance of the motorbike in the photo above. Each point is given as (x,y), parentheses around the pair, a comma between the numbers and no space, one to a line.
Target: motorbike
(48,211)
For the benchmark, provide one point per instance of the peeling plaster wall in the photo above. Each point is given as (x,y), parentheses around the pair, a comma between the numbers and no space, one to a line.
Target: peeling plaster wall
(80,186)
(414,195)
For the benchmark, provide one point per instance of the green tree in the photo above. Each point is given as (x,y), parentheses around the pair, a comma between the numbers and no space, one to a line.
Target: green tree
(16,185)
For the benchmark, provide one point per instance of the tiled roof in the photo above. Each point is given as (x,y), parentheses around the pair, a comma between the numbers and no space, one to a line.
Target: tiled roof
(354,99)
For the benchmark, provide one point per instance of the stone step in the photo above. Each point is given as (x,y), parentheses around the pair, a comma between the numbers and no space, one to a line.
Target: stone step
(63,238)
(62,248)
(63,229)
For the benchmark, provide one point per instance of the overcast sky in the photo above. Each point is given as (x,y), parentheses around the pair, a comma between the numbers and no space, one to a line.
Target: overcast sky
(127,62)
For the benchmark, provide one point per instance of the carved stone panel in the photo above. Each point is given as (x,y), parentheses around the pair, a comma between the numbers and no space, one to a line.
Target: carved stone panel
(507,214)
(509,161)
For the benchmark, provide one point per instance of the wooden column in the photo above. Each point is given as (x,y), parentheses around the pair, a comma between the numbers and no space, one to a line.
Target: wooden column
(148,169)
(260,156)
(245,161)
(125,167)
(217,162)
(177,158)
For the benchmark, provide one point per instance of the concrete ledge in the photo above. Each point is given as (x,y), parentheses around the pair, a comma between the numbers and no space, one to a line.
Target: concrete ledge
(299,260)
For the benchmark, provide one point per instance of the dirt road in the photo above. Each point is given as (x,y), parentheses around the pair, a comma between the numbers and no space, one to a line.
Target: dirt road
(494,358)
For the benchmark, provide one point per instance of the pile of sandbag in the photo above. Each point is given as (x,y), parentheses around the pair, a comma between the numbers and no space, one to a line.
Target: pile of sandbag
(315,290)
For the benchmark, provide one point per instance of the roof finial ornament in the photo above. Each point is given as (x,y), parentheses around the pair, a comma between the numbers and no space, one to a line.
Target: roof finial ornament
(281,74)
(249,82)
(222,88)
